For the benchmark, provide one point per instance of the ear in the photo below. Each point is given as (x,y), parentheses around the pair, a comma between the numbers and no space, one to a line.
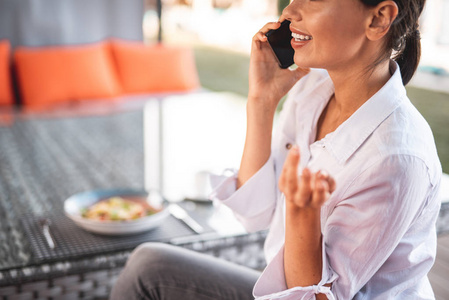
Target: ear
(382,17)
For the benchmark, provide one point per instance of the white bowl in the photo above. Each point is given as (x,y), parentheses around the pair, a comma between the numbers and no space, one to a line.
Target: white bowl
(74,205)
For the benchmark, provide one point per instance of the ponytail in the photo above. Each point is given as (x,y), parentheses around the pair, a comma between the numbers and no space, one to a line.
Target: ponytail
(408,57)
(403,36)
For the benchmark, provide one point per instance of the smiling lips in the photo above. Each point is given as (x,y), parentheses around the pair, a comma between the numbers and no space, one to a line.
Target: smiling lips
(299,38)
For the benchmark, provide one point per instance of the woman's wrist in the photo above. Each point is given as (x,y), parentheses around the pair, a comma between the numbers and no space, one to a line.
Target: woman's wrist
(304,217)
(307,211)
(263,106)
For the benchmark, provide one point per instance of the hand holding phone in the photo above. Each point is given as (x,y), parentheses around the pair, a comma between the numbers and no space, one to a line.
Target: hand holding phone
(280,42)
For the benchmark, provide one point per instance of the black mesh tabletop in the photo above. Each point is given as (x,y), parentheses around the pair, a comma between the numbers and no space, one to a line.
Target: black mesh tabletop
(43,161)
(74,242)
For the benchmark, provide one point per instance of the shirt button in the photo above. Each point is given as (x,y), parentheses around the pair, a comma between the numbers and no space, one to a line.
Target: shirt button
(288,146)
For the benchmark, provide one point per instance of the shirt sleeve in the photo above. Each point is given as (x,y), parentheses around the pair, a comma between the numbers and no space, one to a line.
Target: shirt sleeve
(362,230)
(254,202)
(271,284)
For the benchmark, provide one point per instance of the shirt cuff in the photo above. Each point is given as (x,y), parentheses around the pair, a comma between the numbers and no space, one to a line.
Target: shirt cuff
(271,284)
(254,202)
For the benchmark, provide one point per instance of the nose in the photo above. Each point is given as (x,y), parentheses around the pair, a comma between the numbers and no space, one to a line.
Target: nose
(293,11)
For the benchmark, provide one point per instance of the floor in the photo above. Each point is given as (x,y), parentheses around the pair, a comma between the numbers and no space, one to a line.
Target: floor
(440,272)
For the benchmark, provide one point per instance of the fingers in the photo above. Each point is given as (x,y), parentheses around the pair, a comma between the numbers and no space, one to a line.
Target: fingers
(288,181)
(309,189)
(323,175)
(291,172)
(281,18)
(324,185)
(320,191)
(260,36)
(302,198)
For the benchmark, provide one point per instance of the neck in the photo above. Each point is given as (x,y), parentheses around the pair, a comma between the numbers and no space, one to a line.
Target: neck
(355,86)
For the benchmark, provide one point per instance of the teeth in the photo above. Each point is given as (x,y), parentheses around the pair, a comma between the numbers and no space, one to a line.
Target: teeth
(300,37)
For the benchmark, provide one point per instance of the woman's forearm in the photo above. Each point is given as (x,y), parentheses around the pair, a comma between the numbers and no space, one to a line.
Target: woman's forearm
(258,139)
(303,247)
(304,196)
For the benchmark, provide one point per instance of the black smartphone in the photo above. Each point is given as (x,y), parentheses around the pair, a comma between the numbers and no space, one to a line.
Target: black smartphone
(280,42)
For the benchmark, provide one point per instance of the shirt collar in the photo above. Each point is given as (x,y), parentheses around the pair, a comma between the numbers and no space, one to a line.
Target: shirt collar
(348,137)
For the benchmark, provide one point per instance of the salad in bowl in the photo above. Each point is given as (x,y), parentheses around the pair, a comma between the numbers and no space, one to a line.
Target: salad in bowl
(116,211)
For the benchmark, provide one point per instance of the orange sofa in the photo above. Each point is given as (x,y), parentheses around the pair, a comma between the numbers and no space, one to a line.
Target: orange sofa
(6,92)
(108,69)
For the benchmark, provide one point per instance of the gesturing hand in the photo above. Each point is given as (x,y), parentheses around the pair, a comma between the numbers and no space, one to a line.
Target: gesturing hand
(309,191)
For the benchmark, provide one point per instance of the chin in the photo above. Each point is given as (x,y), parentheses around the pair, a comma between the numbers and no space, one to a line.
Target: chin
(307,62)
(304,64)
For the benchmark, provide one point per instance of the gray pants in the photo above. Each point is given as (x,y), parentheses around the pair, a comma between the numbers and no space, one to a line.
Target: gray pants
(160,271)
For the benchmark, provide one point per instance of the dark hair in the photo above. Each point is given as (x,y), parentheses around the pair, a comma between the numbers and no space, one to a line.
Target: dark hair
(403,40)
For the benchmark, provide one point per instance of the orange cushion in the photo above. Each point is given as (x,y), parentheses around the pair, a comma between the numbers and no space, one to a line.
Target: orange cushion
(6,94)
(53,74)
(157,68)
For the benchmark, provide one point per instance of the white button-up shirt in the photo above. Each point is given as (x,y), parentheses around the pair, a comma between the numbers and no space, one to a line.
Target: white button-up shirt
(378,226)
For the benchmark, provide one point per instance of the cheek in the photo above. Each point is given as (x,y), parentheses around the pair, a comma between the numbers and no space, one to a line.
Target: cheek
(336,39)
(327,41)
(324,29)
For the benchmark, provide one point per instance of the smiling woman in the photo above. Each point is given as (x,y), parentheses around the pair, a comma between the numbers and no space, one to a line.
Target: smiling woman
(347,185)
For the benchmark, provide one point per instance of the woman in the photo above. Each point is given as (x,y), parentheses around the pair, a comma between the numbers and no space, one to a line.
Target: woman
(357,221)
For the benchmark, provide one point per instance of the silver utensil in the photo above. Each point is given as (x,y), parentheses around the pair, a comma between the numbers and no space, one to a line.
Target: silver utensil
(45,223)
(179,213)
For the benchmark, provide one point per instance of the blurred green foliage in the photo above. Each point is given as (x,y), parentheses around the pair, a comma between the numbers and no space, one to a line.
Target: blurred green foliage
(281,5)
